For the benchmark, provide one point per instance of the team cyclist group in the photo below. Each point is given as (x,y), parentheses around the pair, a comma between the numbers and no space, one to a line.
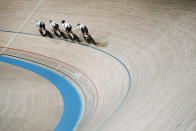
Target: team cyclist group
(65,25)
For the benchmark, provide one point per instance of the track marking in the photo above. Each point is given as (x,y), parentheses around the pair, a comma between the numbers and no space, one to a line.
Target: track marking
(104,52)
(64,74)
(21,26)
(66,89)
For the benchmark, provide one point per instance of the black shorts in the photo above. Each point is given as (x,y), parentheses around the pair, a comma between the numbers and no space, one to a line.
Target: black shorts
(84,30)
(68,28)
(42,25)
(56,27)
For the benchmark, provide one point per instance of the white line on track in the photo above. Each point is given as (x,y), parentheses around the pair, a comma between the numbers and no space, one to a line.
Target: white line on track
(19,29)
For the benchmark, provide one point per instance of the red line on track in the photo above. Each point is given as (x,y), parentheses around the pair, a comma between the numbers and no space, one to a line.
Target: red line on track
(63,63)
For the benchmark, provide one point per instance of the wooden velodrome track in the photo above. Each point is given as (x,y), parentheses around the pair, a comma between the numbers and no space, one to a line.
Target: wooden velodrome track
(140,77)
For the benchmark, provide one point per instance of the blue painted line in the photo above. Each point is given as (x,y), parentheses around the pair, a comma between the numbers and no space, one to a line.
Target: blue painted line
(72,101)
(104,52)
(59,71)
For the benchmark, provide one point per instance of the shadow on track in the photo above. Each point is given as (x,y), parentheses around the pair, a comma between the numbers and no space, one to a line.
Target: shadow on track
(102,44)
(46,34)
(49,34)
(63,35)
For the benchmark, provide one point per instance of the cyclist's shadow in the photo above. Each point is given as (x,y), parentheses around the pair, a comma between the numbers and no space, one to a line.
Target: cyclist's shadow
(63,35)
(47,34)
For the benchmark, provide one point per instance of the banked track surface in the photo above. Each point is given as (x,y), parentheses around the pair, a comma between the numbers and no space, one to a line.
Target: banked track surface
(72,101)
(67,71)
(156,42)
(113,57)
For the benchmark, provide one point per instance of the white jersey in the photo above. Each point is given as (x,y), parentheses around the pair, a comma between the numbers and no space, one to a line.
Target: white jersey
(66,25)
(81,26)
(52,24)
(37,23)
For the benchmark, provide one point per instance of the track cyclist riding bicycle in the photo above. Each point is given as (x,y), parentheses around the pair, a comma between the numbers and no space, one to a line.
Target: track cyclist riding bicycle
(66,26)
(55,27)
(83,28)
(41,27)
(86,34)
